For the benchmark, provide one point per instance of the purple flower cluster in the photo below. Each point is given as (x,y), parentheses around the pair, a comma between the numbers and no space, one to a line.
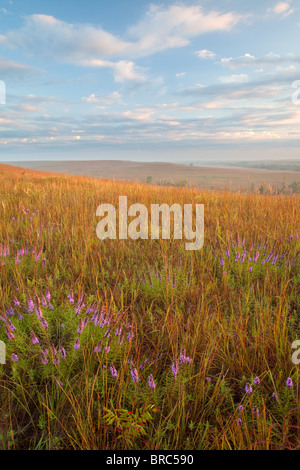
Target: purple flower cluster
(276,256)
(113,371)
(151,382)
(134,375)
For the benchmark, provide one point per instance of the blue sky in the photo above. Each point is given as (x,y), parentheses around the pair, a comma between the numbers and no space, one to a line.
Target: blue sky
(139,80)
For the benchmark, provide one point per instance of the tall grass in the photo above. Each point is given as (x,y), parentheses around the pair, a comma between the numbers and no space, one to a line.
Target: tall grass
(166,340)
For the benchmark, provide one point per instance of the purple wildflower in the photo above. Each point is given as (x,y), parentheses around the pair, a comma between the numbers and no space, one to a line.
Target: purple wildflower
(243,257)
(9,311)
(151,382)
(183,359)
(16,302)
(43,358)
(256,381)
(63,353)
(44,322)
(175,368)
(80,305)
(39,312)
(289,382)
(30,305)
(134,375)
(143,364)
(98,348)
(130,336)
(56,359)
(9,333)
(14,357)
(70,297)
(248,388)
(38,255)
(44,301)
(119,331)
(77,344)
(10,325)
(80,327)
(113,371)
(34,339)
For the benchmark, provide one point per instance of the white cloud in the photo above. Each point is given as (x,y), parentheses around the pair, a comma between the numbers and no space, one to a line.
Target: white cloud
(122,70)
(104,100)
(249,60)
(235,78)
(282,8)
(11,69)
(205,54)
(285,69)
(47,36)
(29,108)
(141,114)
(162,28)
(171,27)
(91,46)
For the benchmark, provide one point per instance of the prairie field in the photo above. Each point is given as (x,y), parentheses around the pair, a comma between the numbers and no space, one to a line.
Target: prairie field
(280,179)
(140,344)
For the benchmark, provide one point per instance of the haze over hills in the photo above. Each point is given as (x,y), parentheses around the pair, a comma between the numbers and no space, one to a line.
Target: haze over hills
(278,165)
(168,173)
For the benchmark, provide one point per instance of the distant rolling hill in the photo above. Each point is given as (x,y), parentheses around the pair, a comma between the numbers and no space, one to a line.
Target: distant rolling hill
(278,165)
(167,173)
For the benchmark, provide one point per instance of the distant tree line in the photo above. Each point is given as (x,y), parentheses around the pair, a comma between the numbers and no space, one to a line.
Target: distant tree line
(293,188)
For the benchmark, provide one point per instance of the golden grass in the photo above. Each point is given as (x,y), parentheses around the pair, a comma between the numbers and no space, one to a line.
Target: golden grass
(234,324)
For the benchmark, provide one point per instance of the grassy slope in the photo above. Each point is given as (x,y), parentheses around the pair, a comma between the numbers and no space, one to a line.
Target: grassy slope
(203,177)
(233,324)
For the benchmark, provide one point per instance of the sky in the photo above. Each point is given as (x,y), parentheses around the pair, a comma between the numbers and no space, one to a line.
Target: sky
(150,81)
